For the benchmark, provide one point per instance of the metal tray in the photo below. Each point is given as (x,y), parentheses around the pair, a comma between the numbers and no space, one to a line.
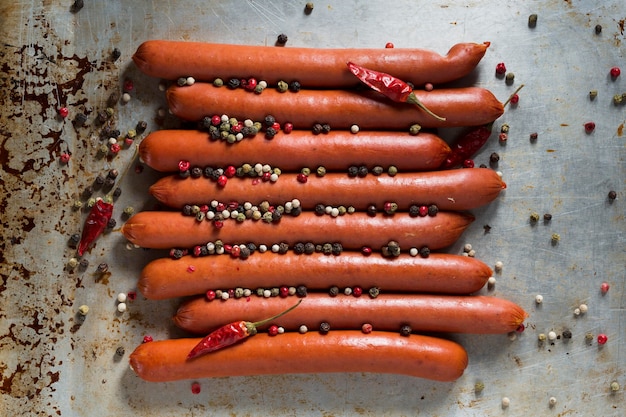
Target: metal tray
(54,363)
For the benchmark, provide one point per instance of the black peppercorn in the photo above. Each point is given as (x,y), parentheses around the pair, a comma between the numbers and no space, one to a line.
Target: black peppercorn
(234,83)
(282,39)
(196,172)
(77,6)
(269,120)
(534,136)
(547,217)
(141,127)
(317,128)
(111,223)
(598,29)
(482,166)
(75,238)
(116,54)
(283,247)
(177,253)
(327,248)
(334,291)
(102,268)
(301,291)
(117,192)
(320,209)
(325,128)
(120,351)
(208,172)
(298,248)
(414,211)
(532,20)
(353,171)
(567,334)
(84,263)
(215,175)
(405,330)
(88,191)
(362,172)
(612,195)
(187,210)
(494,158)
(270,132)
(114,97)
(103,116)
(295,86)
(337,249)
(251,247)
(425,252)
(295,212)
(184,174)
(244,253)
(433,210)
(204,251)
(99,180)
(113,173)
(371,210)
(324,327)
(309,248)
(80,119)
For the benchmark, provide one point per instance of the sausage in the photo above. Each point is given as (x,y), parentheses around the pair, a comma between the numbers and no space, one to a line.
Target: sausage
(294,353)
(469,106)
(166,230)
(335,151)
(439,273)
(311,67)
(458,189)
(386,312)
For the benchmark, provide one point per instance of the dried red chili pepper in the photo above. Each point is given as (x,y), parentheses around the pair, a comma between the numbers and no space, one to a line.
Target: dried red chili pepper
(390,86)
(230,334)
(471,142)
(95,224)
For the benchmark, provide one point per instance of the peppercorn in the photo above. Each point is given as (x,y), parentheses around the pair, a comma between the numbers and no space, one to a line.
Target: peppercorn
(378,170)
(74,239)
(555,238)
(415,129)
(504,128)
(333,291)
(547,217)
(309,248)
(371,210)
(337,248)
(317,128)
(88,191)
(282,86)
(83,264)
(321,171)
(80,119)
(532,20)
(618,98)
(593,94)
(479,387)
(181,81)
(298,248)
(374,292)
(534,217)
(270,132)
(392,171)
(324,327)
(327,248)
(425,252)
(308,8)
(414,210)
(509,78)
(612,195)
(325,128)
(353,171)
(301,291)
(234,83)
(281,39)
(362,171)
(406,330)
(294,86)
(283,247)
(102,268)
(567,334)
(394,248)
(320,209)
(111,223)
(534,136)
(598,29)
(433,210)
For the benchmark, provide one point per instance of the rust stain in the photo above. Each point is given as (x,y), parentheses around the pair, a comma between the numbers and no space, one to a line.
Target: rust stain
(620,129)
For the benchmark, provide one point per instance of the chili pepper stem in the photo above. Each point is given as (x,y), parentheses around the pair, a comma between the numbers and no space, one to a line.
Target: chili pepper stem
(252,326)
(412,99)
(511,96)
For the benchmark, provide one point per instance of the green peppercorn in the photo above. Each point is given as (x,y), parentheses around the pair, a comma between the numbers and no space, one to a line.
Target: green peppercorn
(277,171)
(274,292)
(504,128)
(378,170)
(510,77)
(614,386)
(405,330)
(351,210)
(91,202)
(532,20)
(593,94)
(617,99)
(306,171)
(374,292)
(258,89)
(264,206)
(392,171)
(282,86)
(327,248)
(415,129)
(218,82)
(260,291)
(342,210)
(241,217)
(555,238)
(77,205)
(334,291)
(321,171)
(479,387)
(268,217)
(129,211)
(534,217)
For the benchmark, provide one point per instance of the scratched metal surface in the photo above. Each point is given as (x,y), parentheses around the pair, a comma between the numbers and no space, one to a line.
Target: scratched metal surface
(52,363)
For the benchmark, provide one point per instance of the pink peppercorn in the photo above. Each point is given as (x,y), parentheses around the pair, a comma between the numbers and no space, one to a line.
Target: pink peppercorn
(276,126)
(272,330)
(230,171)
(115,148)
(288,127)
(227,248)
(503,137)
(191,268)
(128,141)
(468,163)
(216,120)
(266,176)
(302,178)
(183,166)
(367,251)
(357,291)
(520,328)
(604,288)
(251,84)
(590,127)
(197,251)
(222,180)
(389,45)
(210,295)
(195,388)
(235,251)
(64,112)
(221,207)
(366,328)
(218,224)
(514,99)
(284,291)
(128,86)
(65,158)
(147,339)
(428,87)
(132,295)
(500,68)
(615,72)
(423,211)
(602,339)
